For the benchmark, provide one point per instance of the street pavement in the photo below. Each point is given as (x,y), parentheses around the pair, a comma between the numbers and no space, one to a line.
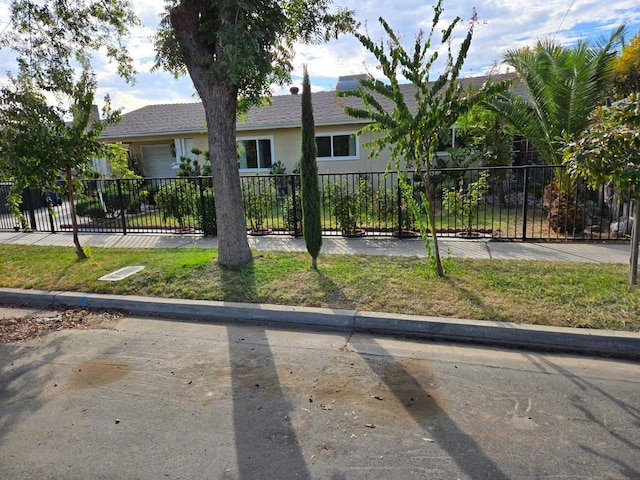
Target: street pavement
(152,399)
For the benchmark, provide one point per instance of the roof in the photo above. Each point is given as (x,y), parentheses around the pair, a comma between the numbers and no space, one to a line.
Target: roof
(282,112)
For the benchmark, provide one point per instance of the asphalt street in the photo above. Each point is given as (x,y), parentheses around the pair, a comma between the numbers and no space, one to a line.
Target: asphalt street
(153,399)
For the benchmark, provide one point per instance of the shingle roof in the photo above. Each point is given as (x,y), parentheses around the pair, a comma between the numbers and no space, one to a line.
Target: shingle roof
(283,112)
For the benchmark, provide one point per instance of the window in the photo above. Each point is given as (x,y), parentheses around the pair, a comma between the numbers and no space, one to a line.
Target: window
(255,153)
(338,147)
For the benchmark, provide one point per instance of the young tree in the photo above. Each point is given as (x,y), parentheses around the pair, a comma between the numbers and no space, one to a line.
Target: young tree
(609,151)
(38,141)
(233,51)
(309,189)
(412,133)
(52,40)
(625,75)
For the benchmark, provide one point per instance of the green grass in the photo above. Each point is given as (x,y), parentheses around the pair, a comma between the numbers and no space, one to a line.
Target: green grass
(545,293)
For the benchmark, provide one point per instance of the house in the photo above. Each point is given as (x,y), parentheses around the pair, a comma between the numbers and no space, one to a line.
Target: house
(158,135)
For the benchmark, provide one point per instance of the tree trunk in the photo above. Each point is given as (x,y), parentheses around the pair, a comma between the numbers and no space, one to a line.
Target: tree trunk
(219,98)
(220,110)
(635,242)
(426,181)
(74,220)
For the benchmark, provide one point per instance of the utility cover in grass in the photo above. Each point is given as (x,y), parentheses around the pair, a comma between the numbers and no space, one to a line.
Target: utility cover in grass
(120,274)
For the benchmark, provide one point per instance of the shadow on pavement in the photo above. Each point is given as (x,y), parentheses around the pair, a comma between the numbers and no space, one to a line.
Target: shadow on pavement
(425,406)
(23,382)
(599,407)
(266,441)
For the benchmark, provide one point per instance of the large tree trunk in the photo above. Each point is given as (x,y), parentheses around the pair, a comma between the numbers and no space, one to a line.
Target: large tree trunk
(220,109)
(219,98)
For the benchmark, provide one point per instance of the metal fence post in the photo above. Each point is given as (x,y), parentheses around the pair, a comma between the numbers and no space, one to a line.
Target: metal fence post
(122,209)
(399,198)
(525,202)
(293,208)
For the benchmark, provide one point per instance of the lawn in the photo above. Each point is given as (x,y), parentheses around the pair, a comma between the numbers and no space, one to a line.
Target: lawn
(535,292)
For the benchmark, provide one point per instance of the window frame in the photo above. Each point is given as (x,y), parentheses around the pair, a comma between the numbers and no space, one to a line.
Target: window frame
(257,139)
(333,157)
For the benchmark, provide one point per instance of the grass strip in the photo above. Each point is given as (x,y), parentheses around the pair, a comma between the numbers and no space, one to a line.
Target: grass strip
(534,292)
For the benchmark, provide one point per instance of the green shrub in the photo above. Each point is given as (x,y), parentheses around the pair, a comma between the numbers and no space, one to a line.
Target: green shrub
(293,214)
(177,200)
(206,212)
(127,199)
(258,201)
(90,207)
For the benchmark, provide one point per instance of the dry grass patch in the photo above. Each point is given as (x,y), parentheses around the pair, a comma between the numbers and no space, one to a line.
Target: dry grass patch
(546,293)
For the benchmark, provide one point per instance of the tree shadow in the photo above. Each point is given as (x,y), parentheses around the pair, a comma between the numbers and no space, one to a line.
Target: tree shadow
(490,313)
(588,394)
(266,441)
(408,390)
(239,285)
(333,293)
(23,380)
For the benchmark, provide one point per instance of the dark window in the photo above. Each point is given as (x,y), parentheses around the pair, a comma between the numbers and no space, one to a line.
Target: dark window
(324,146)
(336,146)
(254,153)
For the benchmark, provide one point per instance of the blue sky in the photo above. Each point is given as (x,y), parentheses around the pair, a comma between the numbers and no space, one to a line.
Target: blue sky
(504,24)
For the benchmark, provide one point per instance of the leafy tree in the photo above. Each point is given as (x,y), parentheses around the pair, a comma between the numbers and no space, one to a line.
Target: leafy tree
(565,84)
(625,77)
(52,40)
(309,189)
(487,138)
(609,151)
(38,142)
(49,36)
(233,51)
(412,133)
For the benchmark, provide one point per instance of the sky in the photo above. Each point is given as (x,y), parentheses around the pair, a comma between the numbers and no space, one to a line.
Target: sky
(503,24)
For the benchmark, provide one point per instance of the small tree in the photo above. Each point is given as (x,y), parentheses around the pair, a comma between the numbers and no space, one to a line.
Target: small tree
(37,142)
(413,133)
(609,151)
(50,38)
(625,75)
(309,189)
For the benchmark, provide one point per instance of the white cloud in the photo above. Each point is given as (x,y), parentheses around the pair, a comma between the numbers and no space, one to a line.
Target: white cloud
(503,24)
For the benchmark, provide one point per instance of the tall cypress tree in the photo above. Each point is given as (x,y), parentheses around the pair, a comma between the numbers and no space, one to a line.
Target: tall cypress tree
(309,189)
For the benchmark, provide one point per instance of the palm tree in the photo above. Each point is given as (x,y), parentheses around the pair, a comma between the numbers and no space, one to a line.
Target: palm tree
(564,85)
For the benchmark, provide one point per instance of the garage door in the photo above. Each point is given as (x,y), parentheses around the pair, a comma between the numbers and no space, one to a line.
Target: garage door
(157,161)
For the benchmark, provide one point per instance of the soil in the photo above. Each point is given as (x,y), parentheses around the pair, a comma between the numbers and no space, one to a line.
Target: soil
(33,325)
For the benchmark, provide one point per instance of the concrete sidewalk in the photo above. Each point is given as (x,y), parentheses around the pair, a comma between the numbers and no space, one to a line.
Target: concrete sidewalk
(589,252)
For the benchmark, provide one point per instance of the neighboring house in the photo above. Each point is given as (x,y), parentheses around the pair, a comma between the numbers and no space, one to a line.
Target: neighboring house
(158,135)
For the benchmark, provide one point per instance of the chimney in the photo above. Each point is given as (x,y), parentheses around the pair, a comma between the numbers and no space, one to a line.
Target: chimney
(350,82)
(294,90)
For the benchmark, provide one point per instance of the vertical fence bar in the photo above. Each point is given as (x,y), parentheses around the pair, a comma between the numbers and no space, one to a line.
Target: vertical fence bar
(122,207)
(294,207)
(525,201)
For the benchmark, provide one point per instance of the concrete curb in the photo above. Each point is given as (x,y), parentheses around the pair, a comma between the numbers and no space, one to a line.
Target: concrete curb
(592,342)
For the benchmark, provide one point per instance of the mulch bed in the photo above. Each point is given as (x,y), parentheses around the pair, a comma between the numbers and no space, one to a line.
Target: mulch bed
(18,329)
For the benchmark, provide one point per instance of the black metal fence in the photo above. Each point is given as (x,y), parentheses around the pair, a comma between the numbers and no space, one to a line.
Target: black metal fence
(509,203)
